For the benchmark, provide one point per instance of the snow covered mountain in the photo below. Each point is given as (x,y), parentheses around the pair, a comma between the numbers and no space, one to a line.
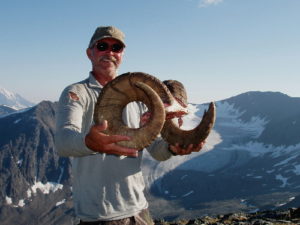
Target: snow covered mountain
(13,100)
(251,162)
(34,181)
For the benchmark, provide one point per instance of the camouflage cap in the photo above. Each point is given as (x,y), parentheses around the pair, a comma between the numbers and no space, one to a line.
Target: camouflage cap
(107,32)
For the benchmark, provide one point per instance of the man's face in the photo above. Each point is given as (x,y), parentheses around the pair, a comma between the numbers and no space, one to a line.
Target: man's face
(106,55)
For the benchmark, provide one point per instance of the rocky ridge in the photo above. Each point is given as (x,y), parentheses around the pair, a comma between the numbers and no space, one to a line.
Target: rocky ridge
(290,216)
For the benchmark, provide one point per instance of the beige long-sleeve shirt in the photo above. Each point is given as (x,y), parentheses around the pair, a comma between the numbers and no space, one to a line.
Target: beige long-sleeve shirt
(105,186)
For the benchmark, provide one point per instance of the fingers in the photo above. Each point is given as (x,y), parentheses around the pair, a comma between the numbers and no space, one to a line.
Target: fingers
(107,139)
(98,141)
(185,151)
(101,126)
(180,151)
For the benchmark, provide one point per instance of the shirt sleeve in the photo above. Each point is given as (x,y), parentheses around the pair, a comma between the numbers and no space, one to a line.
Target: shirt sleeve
(69,137)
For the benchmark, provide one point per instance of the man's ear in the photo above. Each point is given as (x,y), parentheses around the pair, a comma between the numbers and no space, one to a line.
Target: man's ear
(89,53)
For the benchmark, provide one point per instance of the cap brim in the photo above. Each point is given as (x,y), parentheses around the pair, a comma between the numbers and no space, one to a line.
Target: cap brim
(103,37)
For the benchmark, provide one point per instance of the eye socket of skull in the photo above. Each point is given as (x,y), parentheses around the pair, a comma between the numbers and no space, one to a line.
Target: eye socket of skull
(178,91)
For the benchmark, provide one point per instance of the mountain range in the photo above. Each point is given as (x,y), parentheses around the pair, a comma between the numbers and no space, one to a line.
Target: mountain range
(13,100)
(250,162)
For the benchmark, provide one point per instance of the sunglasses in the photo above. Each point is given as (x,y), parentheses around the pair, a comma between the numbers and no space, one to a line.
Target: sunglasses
(103,46)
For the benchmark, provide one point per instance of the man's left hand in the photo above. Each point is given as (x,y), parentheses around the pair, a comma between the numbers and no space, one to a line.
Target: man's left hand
(177,150)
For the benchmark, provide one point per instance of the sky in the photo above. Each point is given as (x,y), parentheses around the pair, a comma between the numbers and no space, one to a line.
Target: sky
(216,48)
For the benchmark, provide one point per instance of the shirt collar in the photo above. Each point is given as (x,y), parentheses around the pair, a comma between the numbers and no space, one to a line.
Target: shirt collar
(93,83)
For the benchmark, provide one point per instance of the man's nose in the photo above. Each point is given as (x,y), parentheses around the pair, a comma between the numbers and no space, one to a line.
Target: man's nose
(109,51)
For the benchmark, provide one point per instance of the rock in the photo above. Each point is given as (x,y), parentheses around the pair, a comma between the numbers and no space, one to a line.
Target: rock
(289,216)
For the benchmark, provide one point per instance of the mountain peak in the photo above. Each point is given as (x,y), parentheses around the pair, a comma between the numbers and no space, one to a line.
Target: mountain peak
(258,94)
(13,100)
(265,104)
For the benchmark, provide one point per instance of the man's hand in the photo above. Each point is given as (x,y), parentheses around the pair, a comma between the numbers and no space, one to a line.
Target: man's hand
(97,141)
(177,150)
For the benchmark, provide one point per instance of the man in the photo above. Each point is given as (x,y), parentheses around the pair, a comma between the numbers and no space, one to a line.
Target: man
(107,179)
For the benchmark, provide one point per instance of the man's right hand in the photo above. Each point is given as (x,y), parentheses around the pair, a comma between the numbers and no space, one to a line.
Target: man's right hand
(97,141)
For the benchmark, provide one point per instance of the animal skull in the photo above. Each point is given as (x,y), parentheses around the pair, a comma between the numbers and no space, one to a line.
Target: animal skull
(151,91)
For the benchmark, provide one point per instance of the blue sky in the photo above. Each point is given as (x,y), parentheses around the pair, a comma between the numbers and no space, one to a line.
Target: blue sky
(216,48)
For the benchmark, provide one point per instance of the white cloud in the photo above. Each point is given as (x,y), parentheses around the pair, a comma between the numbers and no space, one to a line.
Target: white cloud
(205,3)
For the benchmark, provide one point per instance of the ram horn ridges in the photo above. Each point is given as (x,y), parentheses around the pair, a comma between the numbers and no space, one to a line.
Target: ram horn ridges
(173,134)
(127,88)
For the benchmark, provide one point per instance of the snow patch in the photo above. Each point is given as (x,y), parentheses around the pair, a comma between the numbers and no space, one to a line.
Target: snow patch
(282,179)
(28,193)
(21,203)
(184,176)
(229,116)
(284,203)
(191,120)
(8,200)
(60,202)
(258,148)
(285,161)
(19,162)
(297,169)
(187,194)
(46,188)
(17,121)
(254,148)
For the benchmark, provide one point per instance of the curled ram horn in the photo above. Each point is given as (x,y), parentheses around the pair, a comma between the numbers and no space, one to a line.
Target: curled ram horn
(155,94)
(173,134)
(127,88)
